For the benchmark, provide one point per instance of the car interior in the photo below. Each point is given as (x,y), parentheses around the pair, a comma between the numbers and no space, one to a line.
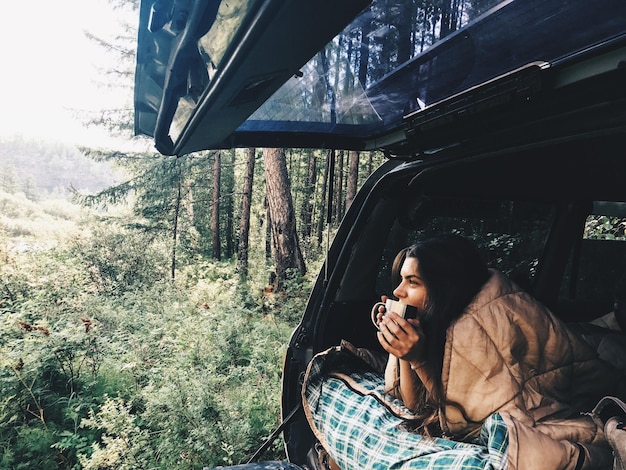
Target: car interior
(535,213)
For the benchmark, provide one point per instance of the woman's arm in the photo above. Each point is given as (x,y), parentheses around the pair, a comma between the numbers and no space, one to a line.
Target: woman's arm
(404,339)
(413,376)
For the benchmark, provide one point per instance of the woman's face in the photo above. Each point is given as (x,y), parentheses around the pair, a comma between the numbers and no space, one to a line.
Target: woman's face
(411,290)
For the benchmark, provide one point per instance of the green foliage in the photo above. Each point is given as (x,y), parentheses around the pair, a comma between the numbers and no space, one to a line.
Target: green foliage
(107,364)
(119,259)
(43,220)
(123,445)
(602,227)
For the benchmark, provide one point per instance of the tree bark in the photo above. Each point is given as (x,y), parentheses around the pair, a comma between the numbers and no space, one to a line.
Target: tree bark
(268,229)
(353,177)
(215,216)
(228,183)
(287,253)
(175,229)
(246,203)
(448,18)
(339,192)
(322,220)
(370,163)
(364,57)
(405,45)
(306,215)
(189,203)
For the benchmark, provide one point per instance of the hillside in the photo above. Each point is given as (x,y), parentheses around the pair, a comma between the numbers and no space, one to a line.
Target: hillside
(43,168)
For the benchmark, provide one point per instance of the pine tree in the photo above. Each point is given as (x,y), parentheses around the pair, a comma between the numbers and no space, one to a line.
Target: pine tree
(285,240)
(246,204)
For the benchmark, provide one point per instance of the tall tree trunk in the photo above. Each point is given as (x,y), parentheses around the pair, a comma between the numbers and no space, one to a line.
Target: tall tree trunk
(370,163)
(388,45)
(364,56)
(337,84)
(339,193)
(175,228)
(192,235)
(353,177)
(228,204)
(322,219)
(330,91)
(405,45)
(306,215)
(246,203)
(215,216)
(268,229)
(287,254)
(444,29)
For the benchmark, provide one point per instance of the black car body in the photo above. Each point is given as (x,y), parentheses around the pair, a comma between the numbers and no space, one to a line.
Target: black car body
(511,130)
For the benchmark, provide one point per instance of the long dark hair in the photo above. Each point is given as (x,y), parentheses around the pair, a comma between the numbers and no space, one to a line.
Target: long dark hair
(453,272)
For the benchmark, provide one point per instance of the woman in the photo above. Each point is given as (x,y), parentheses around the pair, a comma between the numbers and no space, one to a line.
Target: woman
(480,350)
(439,277)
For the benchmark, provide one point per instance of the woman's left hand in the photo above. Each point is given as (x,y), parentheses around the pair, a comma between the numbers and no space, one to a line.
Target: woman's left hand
(402,338)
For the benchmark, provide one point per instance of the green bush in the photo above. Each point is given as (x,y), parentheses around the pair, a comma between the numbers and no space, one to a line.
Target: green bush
(118,260)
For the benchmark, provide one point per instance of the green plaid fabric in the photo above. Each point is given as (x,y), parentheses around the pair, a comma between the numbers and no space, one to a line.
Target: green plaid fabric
(360,432)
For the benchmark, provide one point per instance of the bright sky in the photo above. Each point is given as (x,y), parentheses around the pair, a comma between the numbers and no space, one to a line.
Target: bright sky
(49,68)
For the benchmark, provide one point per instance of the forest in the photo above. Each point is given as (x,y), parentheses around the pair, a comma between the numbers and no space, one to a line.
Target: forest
(117,318)
(146,302)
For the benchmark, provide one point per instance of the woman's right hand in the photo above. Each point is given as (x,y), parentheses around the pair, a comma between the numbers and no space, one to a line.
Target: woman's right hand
(402,338)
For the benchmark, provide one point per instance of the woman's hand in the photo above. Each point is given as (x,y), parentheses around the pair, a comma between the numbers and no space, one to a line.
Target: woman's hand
(402,338)
(381,310)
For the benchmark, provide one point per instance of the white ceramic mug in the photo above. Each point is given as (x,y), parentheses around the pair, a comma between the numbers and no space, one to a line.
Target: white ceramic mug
(390,306)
